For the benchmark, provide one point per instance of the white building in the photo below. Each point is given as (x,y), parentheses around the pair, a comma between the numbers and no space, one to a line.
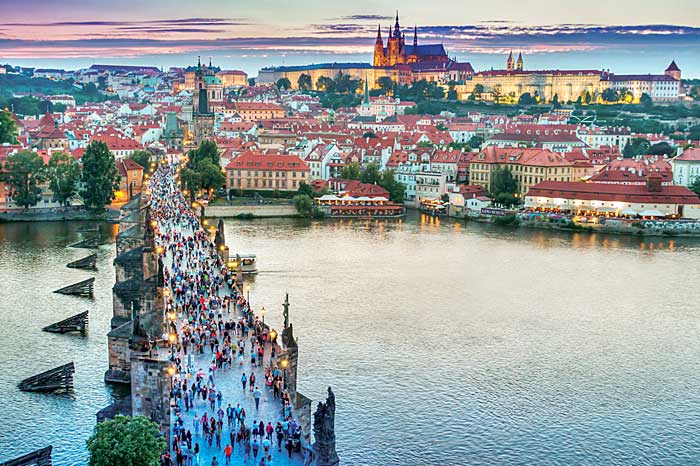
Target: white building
(686,167)
(430,185)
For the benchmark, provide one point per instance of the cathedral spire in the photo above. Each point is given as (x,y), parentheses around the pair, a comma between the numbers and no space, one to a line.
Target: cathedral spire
(389,32)
(397,28)
(379,32)
(415,37)
(209,62)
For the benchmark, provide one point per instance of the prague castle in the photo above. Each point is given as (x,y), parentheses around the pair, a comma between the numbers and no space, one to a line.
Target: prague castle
(397,52)
(407,63)
(402,63)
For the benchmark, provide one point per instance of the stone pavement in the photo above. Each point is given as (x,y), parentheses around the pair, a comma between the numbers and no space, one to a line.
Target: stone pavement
(228,381)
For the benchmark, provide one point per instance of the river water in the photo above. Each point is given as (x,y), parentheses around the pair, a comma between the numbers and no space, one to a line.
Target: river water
(446,343)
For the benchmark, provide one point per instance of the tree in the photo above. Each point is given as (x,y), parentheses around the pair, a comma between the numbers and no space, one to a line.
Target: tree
(695,186)
(206,150)
(386,84)
(350,171)
(100,176)
(635,147)
(102,83)
(141,157)
(369,134)
(305,189)
(191,180)
(283,83)
(661,148)
(304,82)
(63,173)
(476,141)
(646,101)
(476,92)
(503,186)
(371,174)
(324,83)
(610,95)
(8,128)
(304,204)
(525,99)
(23,175)
(391,184)
(497,94)
(251,82)
(133,441)
(210,175)
(555,101)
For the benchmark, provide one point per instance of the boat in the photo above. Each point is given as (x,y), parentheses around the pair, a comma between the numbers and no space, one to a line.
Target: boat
(248,263)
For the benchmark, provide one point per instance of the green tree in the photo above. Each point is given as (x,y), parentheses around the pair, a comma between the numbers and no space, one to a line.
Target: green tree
(350,171)
(555,101)
(661,148)
(283,83)
(251,82)
(695,92)
(305,189)
(325,84)
(304,204)
(141,157)
(128,441)
(210,175)
(497,94)
(369,134)
(102,83)
(476,141)
(610,95)
(371,174)
(63,173)
(695,186)
(206,150)
(386,84)
(391,184)
(503,186)
(525,99)
(637,146)
(645,101)
(23,172)
(476,92)
(8,128)
(191,180)
(100,176)
(304,82)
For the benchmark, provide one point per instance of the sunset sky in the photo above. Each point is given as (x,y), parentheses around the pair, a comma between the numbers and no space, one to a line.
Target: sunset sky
(631,36)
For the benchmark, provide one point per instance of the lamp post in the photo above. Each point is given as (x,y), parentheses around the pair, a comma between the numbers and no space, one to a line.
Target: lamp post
(284,363)
(263,311)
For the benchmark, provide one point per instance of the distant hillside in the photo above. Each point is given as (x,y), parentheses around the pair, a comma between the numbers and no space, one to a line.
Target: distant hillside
(11,84)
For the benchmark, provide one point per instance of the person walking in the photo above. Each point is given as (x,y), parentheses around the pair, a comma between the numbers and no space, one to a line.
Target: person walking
(244,379)
(257,394)
(255,445)
(228,451)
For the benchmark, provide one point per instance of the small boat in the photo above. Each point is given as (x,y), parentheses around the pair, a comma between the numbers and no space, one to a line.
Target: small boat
(248,263)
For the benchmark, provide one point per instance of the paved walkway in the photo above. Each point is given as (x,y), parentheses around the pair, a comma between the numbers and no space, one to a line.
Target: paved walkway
(200,260)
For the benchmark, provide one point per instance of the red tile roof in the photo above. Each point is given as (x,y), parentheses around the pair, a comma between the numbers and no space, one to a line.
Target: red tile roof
(613,192)
(253,160)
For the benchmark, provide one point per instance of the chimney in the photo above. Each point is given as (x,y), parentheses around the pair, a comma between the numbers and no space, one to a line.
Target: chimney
(654,183)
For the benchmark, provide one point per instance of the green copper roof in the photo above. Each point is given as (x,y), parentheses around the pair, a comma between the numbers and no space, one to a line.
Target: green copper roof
(212,80)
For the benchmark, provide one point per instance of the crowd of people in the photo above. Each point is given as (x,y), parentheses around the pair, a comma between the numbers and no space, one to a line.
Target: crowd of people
(214,334)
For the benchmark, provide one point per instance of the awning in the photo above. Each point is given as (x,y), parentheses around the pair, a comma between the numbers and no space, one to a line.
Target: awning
(628,212)
(651,213)
(606,209)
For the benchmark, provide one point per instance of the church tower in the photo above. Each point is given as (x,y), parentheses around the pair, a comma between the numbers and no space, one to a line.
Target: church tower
(519,64)
(510,63)
(379,48)
(673,71)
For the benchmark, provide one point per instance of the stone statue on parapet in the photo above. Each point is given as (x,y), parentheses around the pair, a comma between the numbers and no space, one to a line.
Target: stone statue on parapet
(324,432)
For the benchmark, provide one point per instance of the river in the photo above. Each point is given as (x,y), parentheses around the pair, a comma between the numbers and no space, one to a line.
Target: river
(446,343)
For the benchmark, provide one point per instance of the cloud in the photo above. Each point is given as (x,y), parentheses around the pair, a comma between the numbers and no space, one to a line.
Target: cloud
(180,21)
(363,18)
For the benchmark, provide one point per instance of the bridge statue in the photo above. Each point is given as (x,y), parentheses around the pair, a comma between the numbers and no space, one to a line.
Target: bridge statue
(324,432)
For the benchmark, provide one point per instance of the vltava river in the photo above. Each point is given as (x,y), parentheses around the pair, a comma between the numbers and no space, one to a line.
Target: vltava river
(446,343)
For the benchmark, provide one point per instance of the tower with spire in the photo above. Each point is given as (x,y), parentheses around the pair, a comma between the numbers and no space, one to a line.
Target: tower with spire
(519,63)
(510,63)
(397,52)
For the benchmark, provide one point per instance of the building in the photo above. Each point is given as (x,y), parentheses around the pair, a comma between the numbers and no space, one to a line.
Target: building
(430,185)
(172,134)
(649,200)
(259,171)
(401,62)
(686,167)
(635,170)
(206,84)
(253,111)
(596,136)
(528,166)
(397,52)
(232,78)
(131,181)
(660,87)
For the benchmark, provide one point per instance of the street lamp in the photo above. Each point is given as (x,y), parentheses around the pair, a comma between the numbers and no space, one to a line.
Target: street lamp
(263,311)
(284,363)
(273,336)
(247,290)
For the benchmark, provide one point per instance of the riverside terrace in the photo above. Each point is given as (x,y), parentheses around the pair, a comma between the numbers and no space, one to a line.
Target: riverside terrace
(217,348)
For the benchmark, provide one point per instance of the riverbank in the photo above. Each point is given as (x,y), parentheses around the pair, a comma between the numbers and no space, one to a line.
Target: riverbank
(251,211)
(57,215)
(667,228)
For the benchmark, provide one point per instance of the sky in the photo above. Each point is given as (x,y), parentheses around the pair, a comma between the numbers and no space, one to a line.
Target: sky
(626,36)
